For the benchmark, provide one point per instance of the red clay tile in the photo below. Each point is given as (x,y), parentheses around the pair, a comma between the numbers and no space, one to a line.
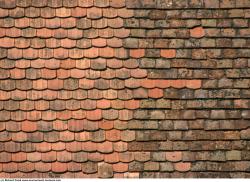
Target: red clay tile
(77,73)
(121,33)
(126,156)
(73,166)
(28,126)
(66,136)
(115,23)
(61,53)
(178,83)
(19,157)
(94,115)
(55,84)
(113,135)
(94,13)
(125,13)
(59,146)
(168,53)
(132,104)
(73,146)
(44,33)
(117,104)
(114,42)
(106,125)
(22,23)
(79,12)
(117,3)
(120,167)
(4,95)
(163,83)
(89,146)
(125,115)
(63,12)
(149,83)
(197,32)
(62,73)
(103,104)
(7,42)
(17,73)
(174,156)
(34,156)
(138,73)
(137,53)
(91,53)
(193,84)
(59,167)
(106,52)
(43,147)
(95,157)
(99,42)
(42,167)
(182,166)
(105,147)
(68,43)
(10,167)
(59,125)
(111,158)
(155,93)
(15,53)
(40,84)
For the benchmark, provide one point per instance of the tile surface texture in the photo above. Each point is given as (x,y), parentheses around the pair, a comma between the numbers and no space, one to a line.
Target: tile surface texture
(124,88)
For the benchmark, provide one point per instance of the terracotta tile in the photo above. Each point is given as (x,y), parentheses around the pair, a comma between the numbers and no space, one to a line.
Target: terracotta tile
(155,93)
(73,146)
(117,3)
(34,156)
(197,32)
(113,135)
(120,167)
(59,146)
(42,167)
(10,167)
(19,157)
(105,147)
(94,115)
(95,157)
(79,12)
(7,42)
(182,166)
(59,167)
(89,146)
(103,104)
(174,156)
(171,53)
(106,125)
(111,158)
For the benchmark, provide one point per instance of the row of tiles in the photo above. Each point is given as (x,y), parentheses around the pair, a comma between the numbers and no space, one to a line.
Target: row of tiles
(115,157)
(127,94)
(135,146)
(78,141)
(138,4)
(124,115)
(156,32)
(118,23)
(149,43)
(96,13)
(79,12)
(106,65)
(87,104)
(122,53)
(113,126)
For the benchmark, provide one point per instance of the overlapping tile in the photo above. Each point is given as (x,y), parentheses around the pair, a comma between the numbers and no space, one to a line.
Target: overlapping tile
(124,88)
